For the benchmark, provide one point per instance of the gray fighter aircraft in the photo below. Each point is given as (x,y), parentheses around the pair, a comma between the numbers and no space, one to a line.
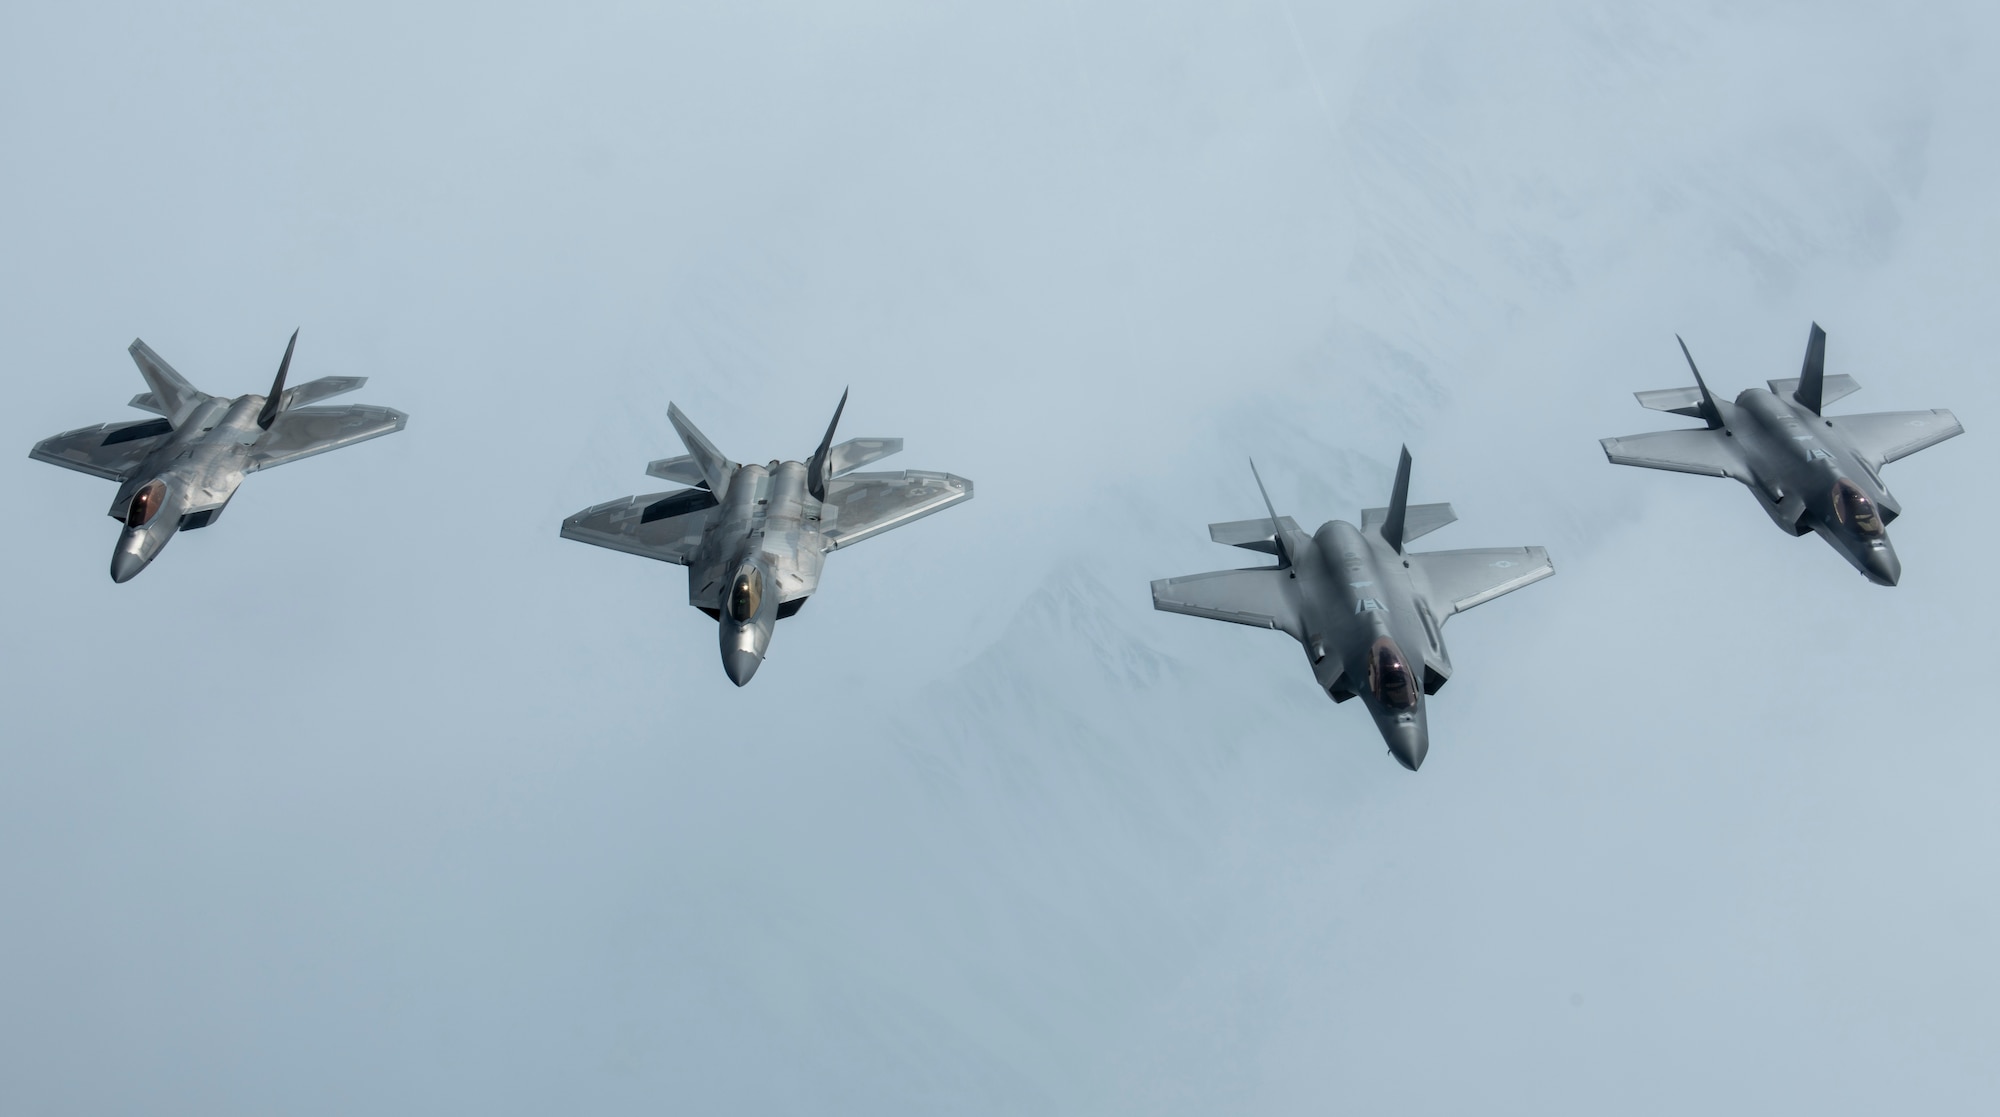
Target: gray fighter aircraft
(1358,601)
(754,537)
(177,472)
(1808,471)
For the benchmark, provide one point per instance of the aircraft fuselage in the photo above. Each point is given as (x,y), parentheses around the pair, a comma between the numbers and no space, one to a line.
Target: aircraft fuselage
(186,481)
(1363,620)
(1808,477)
(758,562)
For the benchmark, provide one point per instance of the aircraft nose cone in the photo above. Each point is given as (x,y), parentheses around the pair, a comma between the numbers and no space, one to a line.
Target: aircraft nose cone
(740,665)
(1409,751)
(1882,566)
(125,565)
(1408,742)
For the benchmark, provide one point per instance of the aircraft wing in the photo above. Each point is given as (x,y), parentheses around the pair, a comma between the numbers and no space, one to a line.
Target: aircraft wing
(305,431)
(1707,452)
(108,450)
(868,504)
(1461,580)
(663,526)
(1261,597)
(1884,436)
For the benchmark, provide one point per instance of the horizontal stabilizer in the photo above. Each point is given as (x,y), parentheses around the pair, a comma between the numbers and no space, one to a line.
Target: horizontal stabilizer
(857,452)
(147,401)
(1418,519)
(1253,535)
(1674,401)
(1831,388)
(313,391)
(684,470)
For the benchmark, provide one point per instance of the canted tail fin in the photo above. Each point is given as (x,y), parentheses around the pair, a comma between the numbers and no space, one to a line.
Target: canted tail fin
(1277,534)
(275,402)
(715,468)
(1399,504)
(171,394)
(818,470)
(1707,412)
(1812,374)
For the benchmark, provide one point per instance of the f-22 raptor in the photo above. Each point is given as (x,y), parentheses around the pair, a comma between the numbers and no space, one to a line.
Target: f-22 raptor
(754,537)
(178,472)
(1809,471)
(1358,602)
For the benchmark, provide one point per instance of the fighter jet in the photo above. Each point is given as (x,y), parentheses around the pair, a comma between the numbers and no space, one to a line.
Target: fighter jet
(1808,471)
(754,537)
(1358,602)
(178,472)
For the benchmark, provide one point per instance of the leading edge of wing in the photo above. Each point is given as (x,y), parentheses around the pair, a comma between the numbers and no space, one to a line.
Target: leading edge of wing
(621,525)
(865,505)
(1261,597)
(108,450)
(1469,578)
(1710,453)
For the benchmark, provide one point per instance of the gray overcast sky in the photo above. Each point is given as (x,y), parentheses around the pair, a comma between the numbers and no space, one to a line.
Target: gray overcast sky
(378,797)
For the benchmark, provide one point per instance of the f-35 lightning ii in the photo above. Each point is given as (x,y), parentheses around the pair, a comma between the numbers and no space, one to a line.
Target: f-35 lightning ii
(754,537)
(177,472)
(1358,602)
(1808,471)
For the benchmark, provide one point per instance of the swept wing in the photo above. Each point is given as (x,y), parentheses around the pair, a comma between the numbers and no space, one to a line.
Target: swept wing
(1884,436)
(861,505)
(664,526)
(1261,597)
(1707,452)
(1461,580)
(108,450)
(306,431)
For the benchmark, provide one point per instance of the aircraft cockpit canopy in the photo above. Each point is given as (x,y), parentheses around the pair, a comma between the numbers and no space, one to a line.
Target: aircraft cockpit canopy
(146,503)
(745,594)
(1853,509)
(1389,676)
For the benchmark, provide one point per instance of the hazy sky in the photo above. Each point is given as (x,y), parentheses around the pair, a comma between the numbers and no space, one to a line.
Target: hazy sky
(378,797)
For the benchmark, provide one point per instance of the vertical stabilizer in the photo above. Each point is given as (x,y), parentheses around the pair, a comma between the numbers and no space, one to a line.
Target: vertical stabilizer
(1399,504)
(1277,532)
(276,399)
(818,470)
(174,396)
(1812,374)
(1709,412)
(715,468)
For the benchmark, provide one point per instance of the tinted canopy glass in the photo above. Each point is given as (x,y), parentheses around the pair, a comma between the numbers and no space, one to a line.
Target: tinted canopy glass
(745,594)
(1855,510)
(146,503)
(1389,676)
